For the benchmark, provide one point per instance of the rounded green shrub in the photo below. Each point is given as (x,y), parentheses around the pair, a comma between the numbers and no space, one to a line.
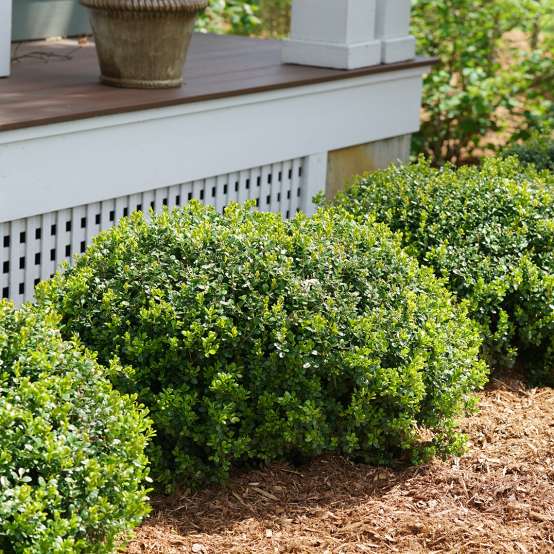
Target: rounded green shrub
(489,230)
(72,461)
(538,150)
(250,338)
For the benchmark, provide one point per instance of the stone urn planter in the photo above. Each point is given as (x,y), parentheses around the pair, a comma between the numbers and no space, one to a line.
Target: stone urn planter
(142,43)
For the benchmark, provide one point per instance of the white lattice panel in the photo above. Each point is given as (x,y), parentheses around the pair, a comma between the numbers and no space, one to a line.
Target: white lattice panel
(32,248)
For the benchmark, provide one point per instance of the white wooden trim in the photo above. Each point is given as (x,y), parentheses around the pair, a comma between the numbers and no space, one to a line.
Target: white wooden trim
(393,18)
(331,33)
(315,179)
(336,56)
(398,49)
(393,29)
(54,167)
(334,21)
(213,106)
(5,36)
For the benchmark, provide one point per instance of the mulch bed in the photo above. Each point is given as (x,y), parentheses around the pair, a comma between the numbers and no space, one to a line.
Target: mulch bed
(499,497)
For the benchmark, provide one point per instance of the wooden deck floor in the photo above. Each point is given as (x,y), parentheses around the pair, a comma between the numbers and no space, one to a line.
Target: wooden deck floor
(58,81)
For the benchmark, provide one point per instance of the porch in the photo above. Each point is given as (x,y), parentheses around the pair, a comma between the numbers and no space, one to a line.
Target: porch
(76,156)
(57,81)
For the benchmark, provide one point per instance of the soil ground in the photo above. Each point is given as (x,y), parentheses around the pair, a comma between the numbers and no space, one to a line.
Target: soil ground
(499,497)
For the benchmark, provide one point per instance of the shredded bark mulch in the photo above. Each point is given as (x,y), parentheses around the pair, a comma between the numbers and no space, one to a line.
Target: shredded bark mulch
(499,497)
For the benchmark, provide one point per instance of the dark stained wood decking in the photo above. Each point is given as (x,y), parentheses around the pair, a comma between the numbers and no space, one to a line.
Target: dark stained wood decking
(57,82)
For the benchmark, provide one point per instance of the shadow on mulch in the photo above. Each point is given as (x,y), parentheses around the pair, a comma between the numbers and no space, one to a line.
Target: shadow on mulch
(268,493)
(499,497)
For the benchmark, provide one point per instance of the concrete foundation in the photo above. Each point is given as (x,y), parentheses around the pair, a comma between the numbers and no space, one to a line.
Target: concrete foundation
(345,164)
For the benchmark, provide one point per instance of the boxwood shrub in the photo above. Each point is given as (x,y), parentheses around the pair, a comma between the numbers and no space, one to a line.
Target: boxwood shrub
(490,231)
(251,339)
(72,461)
(538,150)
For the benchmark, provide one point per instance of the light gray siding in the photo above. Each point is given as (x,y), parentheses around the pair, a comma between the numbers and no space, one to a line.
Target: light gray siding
(36,19)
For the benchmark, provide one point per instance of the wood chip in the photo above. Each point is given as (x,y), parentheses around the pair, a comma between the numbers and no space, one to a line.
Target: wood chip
(264,493)
(335,506)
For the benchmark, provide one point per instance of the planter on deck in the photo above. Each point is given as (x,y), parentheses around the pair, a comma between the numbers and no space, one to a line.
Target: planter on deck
(143,43)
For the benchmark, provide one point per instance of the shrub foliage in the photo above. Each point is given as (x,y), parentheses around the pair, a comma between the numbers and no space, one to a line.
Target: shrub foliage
(72,457)
(251,339)
(490,231)
(538,151)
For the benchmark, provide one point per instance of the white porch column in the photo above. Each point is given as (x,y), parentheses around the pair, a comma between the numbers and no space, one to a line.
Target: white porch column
(5,36)
(333,33)
(393,28)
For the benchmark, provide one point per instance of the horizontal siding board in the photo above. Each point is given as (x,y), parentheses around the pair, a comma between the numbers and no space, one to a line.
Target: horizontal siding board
(37,19)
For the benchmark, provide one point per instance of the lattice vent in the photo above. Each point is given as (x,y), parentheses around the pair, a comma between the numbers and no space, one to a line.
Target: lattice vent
(32,248)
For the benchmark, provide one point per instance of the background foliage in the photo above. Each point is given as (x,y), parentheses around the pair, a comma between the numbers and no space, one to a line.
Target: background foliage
(268,18)
(494,81)
(72,463)
(250,338)
(490,231)
(538,150)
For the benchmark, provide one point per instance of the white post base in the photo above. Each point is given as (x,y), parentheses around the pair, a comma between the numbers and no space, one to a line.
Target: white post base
(336,56)
(333,33)
(398,49)
(5,36)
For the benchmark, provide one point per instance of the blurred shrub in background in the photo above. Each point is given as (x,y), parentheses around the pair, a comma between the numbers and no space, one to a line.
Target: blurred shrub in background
(538,150)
